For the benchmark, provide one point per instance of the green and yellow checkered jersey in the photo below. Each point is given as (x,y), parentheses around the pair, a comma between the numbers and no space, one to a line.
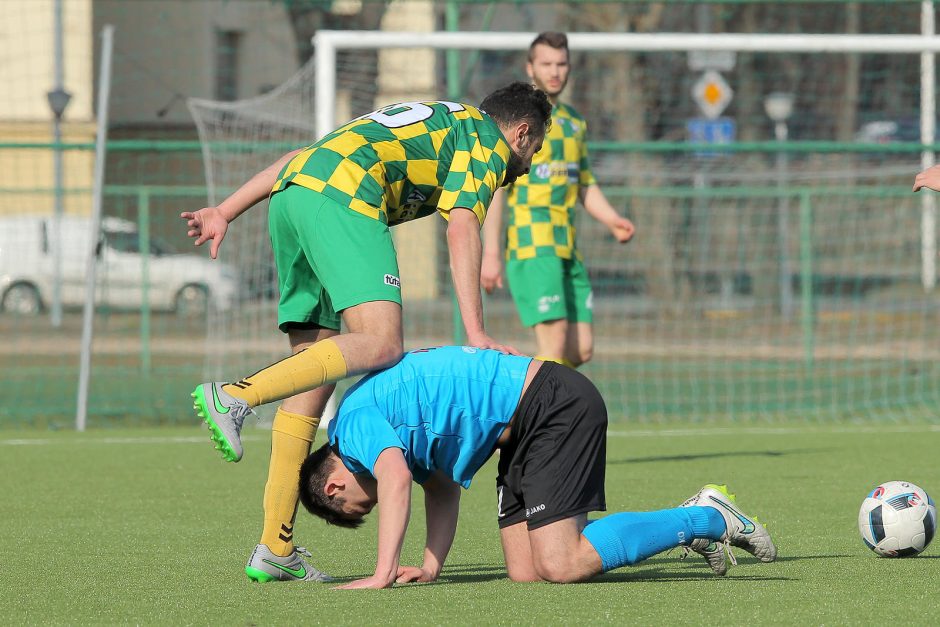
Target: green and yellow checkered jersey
(542,204)
(406,161)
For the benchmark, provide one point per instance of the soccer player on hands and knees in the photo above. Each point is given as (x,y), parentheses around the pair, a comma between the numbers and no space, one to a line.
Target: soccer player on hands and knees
(436,417)
(547,277)
(332,204)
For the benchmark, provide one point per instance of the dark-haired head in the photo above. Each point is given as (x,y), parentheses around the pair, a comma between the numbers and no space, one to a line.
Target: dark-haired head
(524,114)
(519,102)
(314,473)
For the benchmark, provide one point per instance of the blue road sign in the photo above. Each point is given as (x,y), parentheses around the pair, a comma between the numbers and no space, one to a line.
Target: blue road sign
(719,131)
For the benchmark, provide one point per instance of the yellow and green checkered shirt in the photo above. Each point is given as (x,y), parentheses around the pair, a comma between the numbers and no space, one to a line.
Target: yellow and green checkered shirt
(406,161)
(542,204)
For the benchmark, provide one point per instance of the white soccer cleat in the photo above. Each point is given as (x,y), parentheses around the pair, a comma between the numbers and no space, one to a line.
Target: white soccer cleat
(743,531)
(712,551)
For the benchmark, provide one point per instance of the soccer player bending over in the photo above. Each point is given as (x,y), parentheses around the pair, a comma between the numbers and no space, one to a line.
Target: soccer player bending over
(332,204)
(436,417)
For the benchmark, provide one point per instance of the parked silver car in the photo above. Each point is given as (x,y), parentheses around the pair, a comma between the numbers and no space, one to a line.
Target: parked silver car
(184,283)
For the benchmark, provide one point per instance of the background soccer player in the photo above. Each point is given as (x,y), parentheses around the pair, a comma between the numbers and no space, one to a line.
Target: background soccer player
(436,417)
(547,277)
(331,207)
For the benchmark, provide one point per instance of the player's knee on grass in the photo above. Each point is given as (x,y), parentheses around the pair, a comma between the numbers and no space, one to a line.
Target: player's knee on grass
(522,574)
(556,569)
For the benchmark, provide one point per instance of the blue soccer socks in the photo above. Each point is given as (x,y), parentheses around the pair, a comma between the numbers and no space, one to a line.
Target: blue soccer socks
(631,537)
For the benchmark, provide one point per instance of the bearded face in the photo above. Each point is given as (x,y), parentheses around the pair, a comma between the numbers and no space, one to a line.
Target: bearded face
(520,156)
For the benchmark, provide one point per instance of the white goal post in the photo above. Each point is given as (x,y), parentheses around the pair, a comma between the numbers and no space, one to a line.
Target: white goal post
(927,44)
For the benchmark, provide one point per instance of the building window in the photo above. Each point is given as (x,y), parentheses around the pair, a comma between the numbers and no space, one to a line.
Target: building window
(226,64)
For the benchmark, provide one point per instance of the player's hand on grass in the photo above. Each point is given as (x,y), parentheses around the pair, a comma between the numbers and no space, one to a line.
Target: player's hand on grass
(207,224)
(491,274)
(369,583)
(482,340)
(413,574)
(622,229)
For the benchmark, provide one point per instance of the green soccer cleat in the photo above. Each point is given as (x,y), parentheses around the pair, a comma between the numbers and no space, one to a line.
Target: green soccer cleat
(264,566)
(742,531)
(225,415)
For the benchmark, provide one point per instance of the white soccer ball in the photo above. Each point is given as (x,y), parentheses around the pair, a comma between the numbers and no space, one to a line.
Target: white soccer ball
(897,519)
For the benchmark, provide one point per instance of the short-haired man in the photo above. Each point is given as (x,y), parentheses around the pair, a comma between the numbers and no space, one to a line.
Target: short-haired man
(546,274)
(332,204)
(439,414)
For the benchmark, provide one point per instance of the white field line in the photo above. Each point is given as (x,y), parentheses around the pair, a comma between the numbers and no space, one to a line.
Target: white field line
(699,432)
(639,433)
(112,440)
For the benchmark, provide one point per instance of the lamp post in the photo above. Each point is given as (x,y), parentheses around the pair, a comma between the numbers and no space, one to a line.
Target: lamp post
(779,108)
(58,100)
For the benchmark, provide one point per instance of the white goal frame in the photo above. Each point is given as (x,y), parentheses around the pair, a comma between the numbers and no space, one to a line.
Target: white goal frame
(926,44)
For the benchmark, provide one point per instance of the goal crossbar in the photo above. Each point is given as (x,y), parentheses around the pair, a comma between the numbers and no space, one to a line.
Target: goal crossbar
(327,42)
(926,44)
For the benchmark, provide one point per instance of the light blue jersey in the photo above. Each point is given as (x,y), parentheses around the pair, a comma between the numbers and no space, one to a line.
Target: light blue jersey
(443,407)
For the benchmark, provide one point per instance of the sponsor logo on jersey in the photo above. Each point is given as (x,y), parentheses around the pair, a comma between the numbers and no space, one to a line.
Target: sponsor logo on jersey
(573,173)
(471,350)
(394,281)
(543,171)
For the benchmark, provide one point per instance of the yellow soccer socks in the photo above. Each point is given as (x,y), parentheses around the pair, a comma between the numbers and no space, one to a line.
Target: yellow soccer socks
(557,360)
(291,437)
(310,368)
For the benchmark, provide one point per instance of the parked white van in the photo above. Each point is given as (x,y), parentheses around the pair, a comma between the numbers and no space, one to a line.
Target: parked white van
(180,282)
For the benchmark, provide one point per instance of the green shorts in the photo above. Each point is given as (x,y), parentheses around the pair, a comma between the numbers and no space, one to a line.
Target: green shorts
(328,258)
(550,288)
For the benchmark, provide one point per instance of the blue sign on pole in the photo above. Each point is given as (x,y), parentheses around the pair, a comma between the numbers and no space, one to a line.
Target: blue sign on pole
(719,131)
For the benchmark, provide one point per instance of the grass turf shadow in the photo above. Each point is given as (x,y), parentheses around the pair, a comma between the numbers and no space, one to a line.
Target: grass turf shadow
(720,455)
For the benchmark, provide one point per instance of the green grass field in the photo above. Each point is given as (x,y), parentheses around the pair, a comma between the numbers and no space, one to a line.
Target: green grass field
(150,526)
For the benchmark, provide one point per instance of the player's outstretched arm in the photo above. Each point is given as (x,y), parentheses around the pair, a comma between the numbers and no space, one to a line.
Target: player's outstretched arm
(601,210)
(466,251)
(394,497)
(929,178)
(210,224)
(442,504)
(491,271)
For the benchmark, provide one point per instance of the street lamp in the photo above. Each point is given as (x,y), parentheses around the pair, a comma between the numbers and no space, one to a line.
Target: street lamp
(779,108)
(58,99)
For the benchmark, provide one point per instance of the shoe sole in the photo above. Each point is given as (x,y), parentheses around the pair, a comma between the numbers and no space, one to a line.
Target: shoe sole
(215,433)
(258,575)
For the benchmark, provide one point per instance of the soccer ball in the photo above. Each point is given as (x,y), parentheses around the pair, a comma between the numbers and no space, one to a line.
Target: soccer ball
(897,519)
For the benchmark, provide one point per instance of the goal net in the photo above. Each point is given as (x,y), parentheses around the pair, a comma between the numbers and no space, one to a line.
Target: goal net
(781,268)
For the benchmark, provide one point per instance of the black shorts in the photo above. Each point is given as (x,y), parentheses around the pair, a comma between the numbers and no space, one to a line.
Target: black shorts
(553,466)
